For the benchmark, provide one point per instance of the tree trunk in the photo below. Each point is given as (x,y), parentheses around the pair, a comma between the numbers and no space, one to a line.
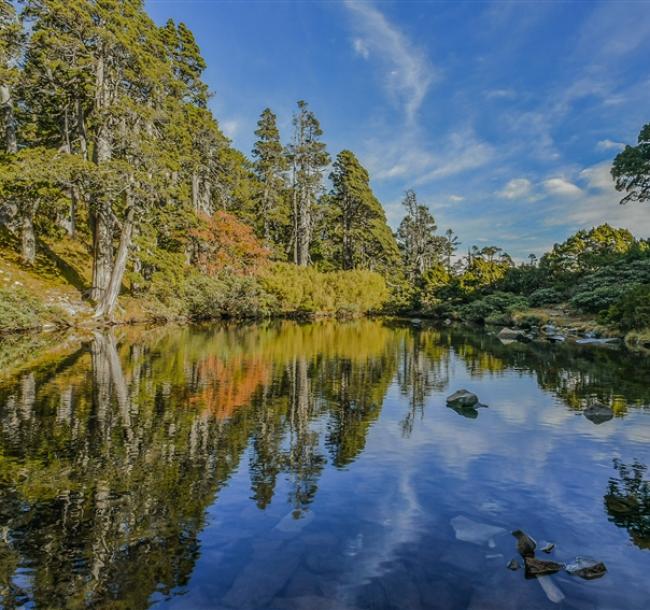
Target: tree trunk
(9,119)
(195,191)
(102,217)
(304,230)
(28,237)
(81,130)
(106,305)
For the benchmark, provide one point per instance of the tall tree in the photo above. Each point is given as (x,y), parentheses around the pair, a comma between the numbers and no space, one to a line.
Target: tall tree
(11,38)
(309,159)
(361,237)
(631,169)
(417,238)
(270,165)
(451,246)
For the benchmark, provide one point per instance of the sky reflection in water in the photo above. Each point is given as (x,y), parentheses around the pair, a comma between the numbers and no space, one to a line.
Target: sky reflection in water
(317,466)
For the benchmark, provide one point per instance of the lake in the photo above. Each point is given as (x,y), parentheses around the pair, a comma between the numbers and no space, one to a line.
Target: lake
(310,466)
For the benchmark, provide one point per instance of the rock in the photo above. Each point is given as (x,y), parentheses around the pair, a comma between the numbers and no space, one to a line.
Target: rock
(468,412)
(525,544)
(548,547)
(462,398)
(594,341)
(513,564)
(598,414)
(551,589)
(476,533)
(556,338)
(549,329)
(586,567)
(507,335)
(540,567)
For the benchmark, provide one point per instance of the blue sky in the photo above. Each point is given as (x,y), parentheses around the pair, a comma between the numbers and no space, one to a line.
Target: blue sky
(503,116)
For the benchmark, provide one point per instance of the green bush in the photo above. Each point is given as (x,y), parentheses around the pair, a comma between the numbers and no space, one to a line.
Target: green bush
(632,310)
(305,289)
(545,296)
(495,308)
(598,291)
(19,310)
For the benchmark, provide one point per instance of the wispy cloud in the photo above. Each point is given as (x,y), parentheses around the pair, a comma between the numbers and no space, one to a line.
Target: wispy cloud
(409,74)
(517,188)
(559,187)
(610,145)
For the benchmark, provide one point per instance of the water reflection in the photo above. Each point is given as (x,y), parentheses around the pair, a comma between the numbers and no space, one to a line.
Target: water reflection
(628,501)
(114,446)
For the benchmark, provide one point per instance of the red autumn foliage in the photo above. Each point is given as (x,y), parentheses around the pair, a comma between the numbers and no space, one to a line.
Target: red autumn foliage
(224,243)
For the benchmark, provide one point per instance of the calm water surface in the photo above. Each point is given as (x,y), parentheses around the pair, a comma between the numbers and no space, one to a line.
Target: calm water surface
(288,466)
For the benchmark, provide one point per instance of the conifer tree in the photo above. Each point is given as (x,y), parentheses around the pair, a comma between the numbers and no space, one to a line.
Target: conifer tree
(270,165)
(309,159)
(361,237)
(420,246)
(11,39)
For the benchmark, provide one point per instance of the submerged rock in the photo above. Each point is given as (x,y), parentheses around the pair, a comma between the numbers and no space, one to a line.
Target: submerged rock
(468,412)
(598,414)
(548,547)
(586,568)
(512,334)
(540,567)
(474,532)
(595,341)
(462,398)
(525,544)
(551,589)
(513,564)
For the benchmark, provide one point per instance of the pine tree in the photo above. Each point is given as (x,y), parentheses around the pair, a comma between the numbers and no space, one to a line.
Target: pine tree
(420,246)
(361,237)
(270,165)
(11,39)
(309,159)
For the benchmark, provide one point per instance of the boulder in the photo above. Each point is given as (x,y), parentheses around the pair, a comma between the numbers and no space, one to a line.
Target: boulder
(462,398)
(586,567)
(549,329)
(541,567)
(548,547)
(507,335)
(598,413)
(513,564)
(556,338)
(525,544)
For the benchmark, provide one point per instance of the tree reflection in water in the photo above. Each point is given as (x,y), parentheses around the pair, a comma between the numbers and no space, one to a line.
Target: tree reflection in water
(111,451)
(627,501)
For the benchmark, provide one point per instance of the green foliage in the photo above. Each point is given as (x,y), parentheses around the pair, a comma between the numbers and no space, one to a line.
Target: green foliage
(545,296)
(356,225)
(631,169)
(632,309)
(494,308)
(597,291)
(312,291)
(20,310)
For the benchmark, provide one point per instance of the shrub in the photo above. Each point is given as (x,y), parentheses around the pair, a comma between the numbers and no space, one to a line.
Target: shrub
(495,308)
(19,310)
(304,289)
(632,310)
(545,296)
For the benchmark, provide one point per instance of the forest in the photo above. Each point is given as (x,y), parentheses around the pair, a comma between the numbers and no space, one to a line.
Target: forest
(121,199)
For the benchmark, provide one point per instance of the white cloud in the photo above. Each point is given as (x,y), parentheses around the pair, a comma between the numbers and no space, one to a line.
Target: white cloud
(409,73)
(500,94)
(361,47)
(610,145)
(456,198)
(230,127)
(517,188)
(599,177)
(560,187)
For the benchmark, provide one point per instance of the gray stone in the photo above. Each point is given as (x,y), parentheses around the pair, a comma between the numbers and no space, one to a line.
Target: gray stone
(513,564)
(598,413)
(462,398)
(586,567)
(525,544)
(541,567)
